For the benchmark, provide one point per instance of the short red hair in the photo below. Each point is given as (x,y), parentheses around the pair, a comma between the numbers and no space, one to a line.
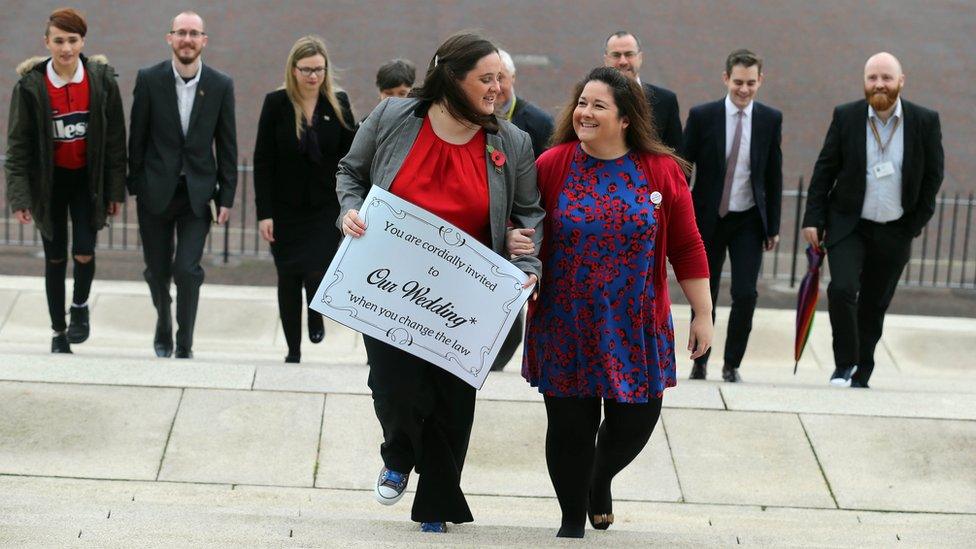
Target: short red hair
(68,20)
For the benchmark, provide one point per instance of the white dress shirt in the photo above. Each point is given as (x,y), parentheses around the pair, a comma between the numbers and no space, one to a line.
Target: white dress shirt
(740,197)
(882,196)
(185,94)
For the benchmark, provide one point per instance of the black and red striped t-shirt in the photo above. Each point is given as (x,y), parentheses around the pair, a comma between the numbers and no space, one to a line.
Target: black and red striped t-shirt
(69,116)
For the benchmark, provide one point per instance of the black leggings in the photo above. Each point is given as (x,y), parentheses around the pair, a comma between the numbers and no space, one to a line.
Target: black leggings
(290,305)
(576,465)
(69,193)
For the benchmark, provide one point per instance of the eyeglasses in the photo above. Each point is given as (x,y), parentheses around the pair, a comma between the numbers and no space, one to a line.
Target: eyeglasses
(309,71)
(618,55)
(194,34)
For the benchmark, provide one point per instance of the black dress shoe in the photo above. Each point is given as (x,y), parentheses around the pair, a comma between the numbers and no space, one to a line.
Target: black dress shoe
(79,327)
(163,350)
(731,374)
(316,327)
(857,384)
(842,376)
(183,352)
(698,371)
(59,344)
(293,359)
(163,340)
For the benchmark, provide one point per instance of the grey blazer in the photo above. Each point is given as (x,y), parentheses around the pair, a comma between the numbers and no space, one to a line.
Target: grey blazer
(385,138)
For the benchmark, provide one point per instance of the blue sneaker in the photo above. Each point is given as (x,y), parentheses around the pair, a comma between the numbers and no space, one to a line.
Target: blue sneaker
(390,486)
(434,527)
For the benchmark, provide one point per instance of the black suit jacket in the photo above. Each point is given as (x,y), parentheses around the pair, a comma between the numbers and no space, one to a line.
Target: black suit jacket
(664,110)
(288,182)
(704,146)
(535,122)
(159,152)
(837,187)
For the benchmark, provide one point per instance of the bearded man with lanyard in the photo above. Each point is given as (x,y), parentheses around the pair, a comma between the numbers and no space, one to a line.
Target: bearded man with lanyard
(872,191)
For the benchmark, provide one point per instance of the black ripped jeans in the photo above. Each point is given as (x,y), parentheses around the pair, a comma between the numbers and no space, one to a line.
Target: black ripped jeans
(69,194)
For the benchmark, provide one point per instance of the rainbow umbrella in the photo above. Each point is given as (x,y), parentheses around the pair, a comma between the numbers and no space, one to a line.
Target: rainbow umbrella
(806,302)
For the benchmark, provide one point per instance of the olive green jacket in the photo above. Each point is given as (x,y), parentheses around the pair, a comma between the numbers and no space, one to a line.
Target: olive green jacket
(30,144)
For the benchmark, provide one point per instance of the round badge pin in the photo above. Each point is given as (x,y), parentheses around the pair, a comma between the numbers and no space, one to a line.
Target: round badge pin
(656,198)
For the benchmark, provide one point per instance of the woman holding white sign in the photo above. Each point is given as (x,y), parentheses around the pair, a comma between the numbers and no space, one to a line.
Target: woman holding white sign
(600,333)
(443,150)
(304,129)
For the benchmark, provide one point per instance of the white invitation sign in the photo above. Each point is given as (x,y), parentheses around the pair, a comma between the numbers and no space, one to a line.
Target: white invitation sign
(421,284)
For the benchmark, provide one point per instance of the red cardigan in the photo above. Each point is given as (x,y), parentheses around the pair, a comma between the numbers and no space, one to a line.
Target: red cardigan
(677,234)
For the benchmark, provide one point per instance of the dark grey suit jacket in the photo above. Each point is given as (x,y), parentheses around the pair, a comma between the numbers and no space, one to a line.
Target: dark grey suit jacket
(704,146)
(535,122)
(664,110)
(385,138)
(159,152)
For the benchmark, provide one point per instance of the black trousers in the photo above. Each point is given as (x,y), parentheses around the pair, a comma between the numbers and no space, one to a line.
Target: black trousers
(576,465)
(426,414)
(69,194)
(864,270)
(290,305)
(741,234)
(172,246)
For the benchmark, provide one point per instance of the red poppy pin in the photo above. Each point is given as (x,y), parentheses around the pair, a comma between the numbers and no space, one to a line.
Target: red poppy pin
(497,158)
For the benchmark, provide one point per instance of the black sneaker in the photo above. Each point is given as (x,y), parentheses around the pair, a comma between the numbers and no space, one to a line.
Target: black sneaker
(59,344)
(78,328)
(842,376)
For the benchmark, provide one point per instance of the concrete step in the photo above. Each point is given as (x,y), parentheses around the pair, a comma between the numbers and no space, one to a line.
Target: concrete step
(947,397)
(59,511)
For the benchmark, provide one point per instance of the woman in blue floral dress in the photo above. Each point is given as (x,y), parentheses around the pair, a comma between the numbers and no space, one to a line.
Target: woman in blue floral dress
(600,332)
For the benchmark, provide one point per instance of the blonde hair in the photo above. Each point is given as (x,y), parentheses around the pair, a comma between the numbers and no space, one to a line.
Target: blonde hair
(305,47)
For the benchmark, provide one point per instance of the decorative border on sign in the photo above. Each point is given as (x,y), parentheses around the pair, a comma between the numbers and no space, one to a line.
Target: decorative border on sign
(451,237)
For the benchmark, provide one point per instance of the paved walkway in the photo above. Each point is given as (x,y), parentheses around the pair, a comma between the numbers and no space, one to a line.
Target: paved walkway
(113,447)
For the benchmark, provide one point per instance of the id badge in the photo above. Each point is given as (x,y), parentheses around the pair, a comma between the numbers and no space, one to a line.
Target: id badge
(883,169)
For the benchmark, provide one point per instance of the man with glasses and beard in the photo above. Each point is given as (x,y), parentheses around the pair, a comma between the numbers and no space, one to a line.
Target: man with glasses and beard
(873,189)
(182,114)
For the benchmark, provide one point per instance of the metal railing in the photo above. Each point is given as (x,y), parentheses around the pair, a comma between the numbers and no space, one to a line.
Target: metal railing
(944,256)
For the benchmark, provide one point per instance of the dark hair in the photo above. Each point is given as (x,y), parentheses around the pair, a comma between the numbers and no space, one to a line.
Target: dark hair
(631,103)
(743,57)
(395,73)
(68,20)
(452,62)
(621,34)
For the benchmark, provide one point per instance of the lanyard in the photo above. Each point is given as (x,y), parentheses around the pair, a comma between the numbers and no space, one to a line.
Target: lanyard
(511,110)
(877,136)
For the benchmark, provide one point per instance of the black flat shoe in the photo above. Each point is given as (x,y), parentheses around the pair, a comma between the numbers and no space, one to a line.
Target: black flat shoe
(600,521)
(183,352)
(293,359)
(59,344)
(79,327)
(316,327)
(698,371)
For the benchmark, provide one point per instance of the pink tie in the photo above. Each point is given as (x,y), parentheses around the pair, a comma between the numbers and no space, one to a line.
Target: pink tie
(730,162)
